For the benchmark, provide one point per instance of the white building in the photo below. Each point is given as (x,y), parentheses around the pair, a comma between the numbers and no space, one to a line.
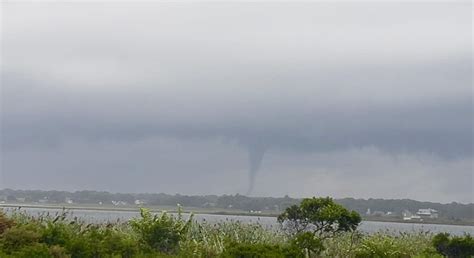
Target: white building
(407,215)
(427,213)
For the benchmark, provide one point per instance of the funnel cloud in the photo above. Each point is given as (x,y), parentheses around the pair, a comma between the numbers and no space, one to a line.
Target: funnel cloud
(256,153)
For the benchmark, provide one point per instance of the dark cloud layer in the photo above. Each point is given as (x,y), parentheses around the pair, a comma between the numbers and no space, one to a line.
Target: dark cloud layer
(441,125)
(275,80)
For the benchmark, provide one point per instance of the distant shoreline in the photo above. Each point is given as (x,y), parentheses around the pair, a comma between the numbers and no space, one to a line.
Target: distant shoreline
(195,210)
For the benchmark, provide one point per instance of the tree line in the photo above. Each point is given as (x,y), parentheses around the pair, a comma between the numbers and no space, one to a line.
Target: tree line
(452,211)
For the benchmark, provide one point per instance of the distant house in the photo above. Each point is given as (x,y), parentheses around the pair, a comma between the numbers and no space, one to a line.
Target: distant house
(209,204)
(427,213)
(420,214)
(139,202)
(378,213)
(407,215)
(119,203)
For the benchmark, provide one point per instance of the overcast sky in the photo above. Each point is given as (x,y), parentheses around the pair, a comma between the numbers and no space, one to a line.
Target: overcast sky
(341,99)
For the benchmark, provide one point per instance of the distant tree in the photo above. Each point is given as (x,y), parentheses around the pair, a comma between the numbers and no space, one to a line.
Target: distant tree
(321,216)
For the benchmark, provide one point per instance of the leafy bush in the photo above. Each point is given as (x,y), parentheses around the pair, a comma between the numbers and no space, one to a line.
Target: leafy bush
(160,233)
(57,251)
(35,250)
(5,223)
(63,237)
(96,241)
(455,246)
(307,243)
(57,232)
(16,238)
(245,250)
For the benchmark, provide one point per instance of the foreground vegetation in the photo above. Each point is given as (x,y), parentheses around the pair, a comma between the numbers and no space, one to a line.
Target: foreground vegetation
(318,227)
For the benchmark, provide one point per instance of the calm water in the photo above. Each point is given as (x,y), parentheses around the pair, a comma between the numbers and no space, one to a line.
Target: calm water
(366,226)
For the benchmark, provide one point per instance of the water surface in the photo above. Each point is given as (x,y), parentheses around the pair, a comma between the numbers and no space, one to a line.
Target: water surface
(97,216)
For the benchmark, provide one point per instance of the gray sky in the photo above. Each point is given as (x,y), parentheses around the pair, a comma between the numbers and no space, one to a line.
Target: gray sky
(340,99)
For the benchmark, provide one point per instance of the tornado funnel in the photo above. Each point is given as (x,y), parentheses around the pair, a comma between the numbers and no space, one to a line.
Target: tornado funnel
(256,153)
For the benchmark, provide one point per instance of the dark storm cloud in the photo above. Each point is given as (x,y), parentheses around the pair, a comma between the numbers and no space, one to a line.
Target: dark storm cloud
(441,125)
(299,79)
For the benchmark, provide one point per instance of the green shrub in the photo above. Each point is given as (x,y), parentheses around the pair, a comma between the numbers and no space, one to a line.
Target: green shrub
(119,243)
(57,251)
(85,243)
(35,250)
(455,246)
(5,223)
(16,238)
(57,233)
(246,250)
(96,241)
(160,233)
(307,243)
